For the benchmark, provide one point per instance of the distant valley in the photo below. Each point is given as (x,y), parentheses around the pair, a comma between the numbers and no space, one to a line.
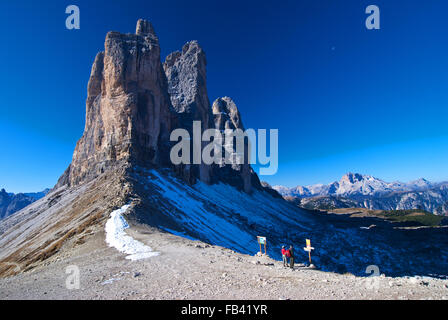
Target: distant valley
(10,203)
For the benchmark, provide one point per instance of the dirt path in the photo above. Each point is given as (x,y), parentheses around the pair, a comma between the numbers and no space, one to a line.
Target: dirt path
(188,269)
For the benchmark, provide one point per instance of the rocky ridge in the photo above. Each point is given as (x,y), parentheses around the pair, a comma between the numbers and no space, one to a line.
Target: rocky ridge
(11,203)
(364,191)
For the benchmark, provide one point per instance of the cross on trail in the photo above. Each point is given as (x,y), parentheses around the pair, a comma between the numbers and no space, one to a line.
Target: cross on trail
(308,248)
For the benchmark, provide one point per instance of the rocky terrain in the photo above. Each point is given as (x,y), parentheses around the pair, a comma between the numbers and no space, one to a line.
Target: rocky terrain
(218,214)
(11,203)
(187,269)
(362,191)
(121,186)
(133,104)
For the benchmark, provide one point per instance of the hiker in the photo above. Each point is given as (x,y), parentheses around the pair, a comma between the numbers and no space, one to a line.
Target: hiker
(285,259)
(291,257)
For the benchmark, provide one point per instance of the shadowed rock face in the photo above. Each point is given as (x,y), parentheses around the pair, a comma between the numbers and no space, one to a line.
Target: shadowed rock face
(226,116)
(186,74)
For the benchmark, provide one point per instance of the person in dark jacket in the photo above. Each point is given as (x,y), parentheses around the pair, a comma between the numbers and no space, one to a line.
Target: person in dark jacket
(285,259)
(291,257)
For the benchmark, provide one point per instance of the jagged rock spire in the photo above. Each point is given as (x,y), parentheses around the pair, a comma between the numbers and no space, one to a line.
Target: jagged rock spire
(226,116)
(128,109)
(186,75)
(144,27)
(187,78)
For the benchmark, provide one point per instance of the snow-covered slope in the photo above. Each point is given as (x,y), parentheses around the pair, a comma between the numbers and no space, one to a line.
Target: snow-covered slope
(218,214)
(221,215)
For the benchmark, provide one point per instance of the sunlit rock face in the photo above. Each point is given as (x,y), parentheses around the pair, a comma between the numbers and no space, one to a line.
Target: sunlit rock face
(128,109)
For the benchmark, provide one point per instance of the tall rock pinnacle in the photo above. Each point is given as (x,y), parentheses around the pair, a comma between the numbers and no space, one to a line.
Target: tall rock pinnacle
(134,102)
(144,27)
(227,116)
(128,109)
(186,74)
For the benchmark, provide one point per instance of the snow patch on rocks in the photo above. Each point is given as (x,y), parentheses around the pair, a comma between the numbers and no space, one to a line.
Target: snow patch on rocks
(116,237)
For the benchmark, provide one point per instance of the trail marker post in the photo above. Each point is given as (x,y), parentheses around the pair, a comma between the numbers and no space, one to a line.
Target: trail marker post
(262,240)
(308,248)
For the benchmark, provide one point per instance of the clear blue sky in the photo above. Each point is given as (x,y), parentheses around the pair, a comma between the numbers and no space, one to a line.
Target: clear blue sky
(343,98)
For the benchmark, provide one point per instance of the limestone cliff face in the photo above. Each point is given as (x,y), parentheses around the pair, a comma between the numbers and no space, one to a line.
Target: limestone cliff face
(186,74)
(134,102)
(226,116)
(128,109)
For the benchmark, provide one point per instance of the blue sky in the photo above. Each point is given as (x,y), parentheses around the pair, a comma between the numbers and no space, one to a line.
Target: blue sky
(343,98)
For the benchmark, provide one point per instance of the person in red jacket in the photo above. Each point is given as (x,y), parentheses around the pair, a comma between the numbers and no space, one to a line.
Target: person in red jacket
(284,256)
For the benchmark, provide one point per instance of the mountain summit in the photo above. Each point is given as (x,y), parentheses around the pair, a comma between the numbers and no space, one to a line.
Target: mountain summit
(354,184)
(364,191)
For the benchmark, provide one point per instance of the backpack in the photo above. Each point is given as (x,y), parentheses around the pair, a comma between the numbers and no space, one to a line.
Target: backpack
(288,253)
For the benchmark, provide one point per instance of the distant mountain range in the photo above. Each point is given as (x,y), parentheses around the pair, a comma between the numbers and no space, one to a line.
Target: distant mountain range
(11,203)
(364,191)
